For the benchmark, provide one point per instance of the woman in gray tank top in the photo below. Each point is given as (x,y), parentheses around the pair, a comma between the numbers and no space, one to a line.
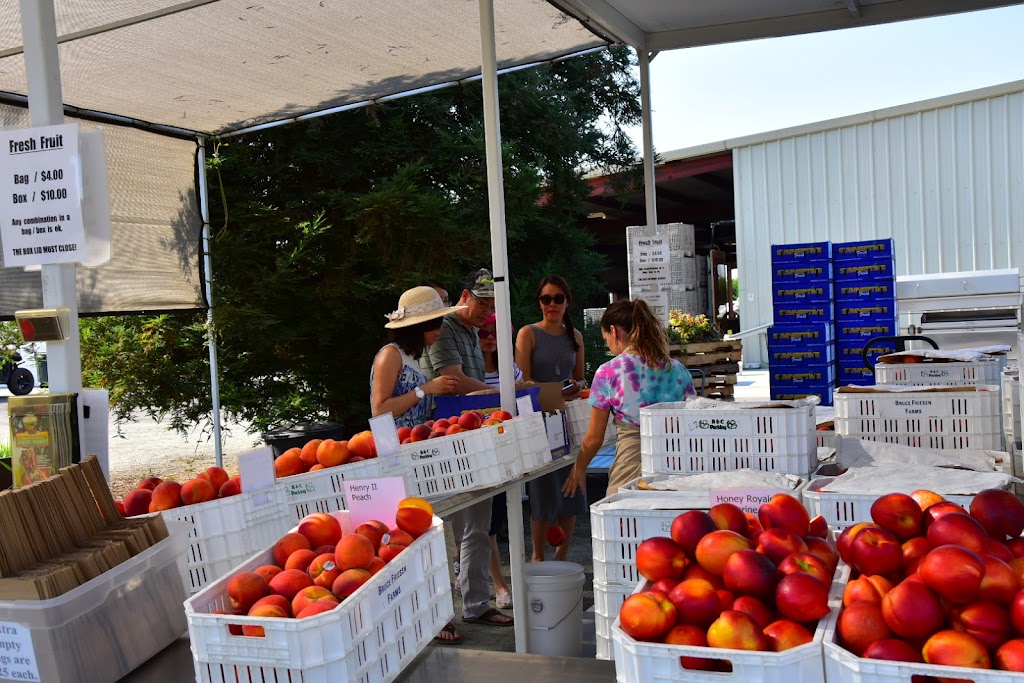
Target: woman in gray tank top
(552,351)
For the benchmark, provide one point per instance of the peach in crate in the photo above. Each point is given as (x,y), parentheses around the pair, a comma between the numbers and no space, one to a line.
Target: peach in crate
(371,636)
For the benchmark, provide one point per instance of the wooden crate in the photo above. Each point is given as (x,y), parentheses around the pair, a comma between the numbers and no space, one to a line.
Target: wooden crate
(719,360)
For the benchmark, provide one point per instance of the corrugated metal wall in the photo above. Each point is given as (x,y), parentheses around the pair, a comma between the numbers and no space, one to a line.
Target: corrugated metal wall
(947,184)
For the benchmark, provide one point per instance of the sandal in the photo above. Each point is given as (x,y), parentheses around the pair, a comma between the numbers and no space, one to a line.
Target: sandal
(448,636)
(503,600)
(491,617)
(456,566)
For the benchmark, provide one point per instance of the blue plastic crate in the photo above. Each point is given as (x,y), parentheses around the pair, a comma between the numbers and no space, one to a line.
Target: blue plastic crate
(790,355)
(803,313)
(807,252)
(806,293)
(783,392)
(856,374)
(813,334)
(802,274)
(868,311)
(850,331)
(867,250)
(799,376)
(880,269)
(872,289)
(849,352)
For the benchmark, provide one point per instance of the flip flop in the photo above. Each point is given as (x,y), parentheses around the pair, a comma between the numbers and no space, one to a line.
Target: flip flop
(455,639)
(487,618)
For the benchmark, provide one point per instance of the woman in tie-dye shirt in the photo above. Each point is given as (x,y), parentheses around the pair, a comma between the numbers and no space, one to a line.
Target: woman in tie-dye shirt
(640,374)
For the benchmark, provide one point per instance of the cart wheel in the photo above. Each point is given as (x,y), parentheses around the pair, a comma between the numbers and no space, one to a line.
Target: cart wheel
(21,382)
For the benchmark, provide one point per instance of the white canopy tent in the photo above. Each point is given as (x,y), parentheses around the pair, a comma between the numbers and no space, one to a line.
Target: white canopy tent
(220,67)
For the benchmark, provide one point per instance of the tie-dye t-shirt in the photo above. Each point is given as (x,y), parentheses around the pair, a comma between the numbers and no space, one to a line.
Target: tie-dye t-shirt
(625,384)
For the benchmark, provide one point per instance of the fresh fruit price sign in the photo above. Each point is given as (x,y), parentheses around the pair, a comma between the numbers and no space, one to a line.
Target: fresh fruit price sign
(17,656)
(748,500)
(374,498)
(257,471)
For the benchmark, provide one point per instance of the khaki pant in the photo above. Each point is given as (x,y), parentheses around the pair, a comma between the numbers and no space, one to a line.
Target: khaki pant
(626,465)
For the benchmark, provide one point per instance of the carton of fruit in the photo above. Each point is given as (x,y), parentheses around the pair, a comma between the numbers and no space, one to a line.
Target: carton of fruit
(323,490)
(636,660)
(375,631)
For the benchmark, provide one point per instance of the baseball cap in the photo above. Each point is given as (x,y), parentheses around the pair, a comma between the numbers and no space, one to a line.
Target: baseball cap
(481,283)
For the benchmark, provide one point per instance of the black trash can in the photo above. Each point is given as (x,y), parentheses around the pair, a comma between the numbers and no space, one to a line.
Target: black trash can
(296,436)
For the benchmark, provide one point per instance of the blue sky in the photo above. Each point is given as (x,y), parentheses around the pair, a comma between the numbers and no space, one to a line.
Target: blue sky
(714,93)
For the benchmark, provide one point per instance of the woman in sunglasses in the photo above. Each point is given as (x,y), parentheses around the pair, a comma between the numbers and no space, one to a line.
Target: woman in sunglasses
(397,385)
(552,351)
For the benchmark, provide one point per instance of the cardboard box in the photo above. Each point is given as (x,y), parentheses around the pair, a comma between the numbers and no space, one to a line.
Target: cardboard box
(551,398)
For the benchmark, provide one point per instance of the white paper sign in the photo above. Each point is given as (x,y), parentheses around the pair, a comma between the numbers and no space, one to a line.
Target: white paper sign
(658,301)
(385,435)
(650,260)
(748,500)
(374,499)
(524,404)
(256,468)
(17,656)
(41,196)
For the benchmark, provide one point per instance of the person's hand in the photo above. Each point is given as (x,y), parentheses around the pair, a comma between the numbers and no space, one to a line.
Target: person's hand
(574,482)
(572,391)
(442,384)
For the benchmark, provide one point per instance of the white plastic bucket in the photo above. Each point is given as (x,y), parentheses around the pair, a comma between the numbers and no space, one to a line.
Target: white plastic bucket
(555,596)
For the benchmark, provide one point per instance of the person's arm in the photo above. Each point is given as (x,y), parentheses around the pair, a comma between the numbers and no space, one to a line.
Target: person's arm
(463,383)
(592,441)
(386,368)
(524,349)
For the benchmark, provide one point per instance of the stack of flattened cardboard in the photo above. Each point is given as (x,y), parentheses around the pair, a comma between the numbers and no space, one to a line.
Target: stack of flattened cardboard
(59,533)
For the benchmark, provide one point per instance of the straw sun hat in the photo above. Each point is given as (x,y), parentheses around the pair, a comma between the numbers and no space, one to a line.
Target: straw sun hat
(418,305)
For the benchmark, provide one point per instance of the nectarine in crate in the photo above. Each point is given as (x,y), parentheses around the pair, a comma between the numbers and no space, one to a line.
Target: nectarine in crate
(641,661)
(466,461)
(948,417)
(842,510)
(368,638)
(682,438)
(323,490)
(224,532)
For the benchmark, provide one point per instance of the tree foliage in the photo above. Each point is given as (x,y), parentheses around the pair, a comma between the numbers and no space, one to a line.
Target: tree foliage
(319,226)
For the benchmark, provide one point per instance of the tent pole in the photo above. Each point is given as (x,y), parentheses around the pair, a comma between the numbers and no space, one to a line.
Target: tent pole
(503,312)
(211,336)
(46,108)
(648,138)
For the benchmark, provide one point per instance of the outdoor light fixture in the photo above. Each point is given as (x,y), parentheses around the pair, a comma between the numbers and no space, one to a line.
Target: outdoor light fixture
(44,324)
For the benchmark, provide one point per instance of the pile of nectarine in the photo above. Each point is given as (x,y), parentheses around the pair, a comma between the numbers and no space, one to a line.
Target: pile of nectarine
(319,454)
(936,583)
(446,426)
(156,495)
(729,579)
(316,567)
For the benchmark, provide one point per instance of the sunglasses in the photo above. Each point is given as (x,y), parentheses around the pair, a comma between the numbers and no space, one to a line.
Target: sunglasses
(488,334)
(548,300)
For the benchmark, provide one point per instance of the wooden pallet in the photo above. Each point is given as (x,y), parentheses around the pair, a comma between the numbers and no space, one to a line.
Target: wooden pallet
(724,391)
(714,380)
(706,354)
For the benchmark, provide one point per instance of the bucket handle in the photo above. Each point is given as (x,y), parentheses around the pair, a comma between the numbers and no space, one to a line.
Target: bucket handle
(559,622)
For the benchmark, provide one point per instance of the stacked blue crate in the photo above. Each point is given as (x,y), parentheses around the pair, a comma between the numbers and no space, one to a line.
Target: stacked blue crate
(801,346)
(865,300)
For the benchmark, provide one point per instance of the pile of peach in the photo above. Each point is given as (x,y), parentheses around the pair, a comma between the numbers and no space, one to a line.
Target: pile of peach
(155,495)
(469,420)
(729,579)
(316,566)
(319,454)
(935,583)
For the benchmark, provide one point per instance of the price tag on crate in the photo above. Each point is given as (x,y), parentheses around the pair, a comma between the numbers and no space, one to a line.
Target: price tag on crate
(524,404)
(748,500)
(374,499)
(256,468)
(17,656)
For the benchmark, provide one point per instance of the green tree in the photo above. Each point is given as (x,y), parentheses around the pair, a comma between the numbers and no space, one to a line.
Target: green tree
(319,226)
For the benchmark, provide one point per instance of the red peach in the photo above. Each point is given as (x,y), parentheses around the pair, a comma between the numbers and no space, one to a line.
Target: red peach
(137,502)
(986,621)
(801,597)
(779,542)
(244,589)
(196,491)
(691,526)
(320,528)
(289,582)
(757,610)
(660,558)
(647,616)
(300,560)
(898,514)
(893,650)
(748,572)
(696,602)
(960,529)
(353,552)
(685,634)
(166,496)
(728,517)
(860,625)
(785,635)
(737,631)
(912,610)
(953,648)
(349,581)
(307,596)
(1010,655)
(953,572)
(785,511)
(714,549)
(288,544)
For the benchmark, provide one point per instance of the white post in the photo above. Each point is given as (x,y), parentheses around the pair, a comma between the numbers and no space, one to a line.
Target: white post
(503,312)
(648,138)
(211,336)
(46,108)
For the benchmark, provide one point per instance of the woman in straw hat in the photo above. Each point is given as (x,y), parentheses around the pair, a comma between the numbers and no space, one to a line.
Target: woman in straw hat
(397,385)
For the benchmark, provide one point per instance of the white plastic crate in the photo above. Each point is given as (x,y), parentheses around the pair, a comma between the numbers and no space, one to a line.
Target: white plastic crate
(321,491)
(1010,385)
(578,412)
(924,419)
(466,461)
(109,626)
(842,510)
(608,598)
(222,533)
(369,638)
(939,374)
(825,438)
(532,439)
(639,661)
(677,439)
